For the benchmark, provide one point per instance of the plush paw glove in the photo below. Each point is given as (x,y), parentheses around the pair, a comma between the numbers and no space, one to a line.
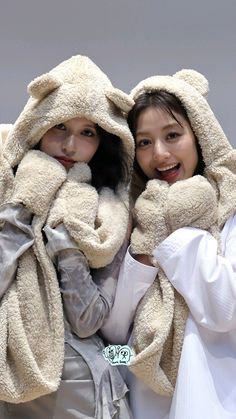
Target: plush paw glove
(76,201)
(37,180)
(162,209)
(150,217)
(192,202)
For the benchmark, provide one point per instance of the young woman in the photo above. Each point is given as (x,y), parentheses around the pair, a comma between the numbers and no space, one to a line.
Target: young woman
(65,168)
(185,327)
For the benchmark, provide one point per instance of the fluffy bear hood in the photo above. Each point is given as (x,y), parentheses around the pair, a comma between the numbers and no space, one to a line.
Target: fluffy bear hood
(75,88)
(191,88)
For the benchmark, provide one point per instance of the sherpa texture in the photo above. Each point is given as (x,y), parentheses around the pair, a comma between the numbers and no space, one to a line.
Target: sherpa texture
(37,180)
(160,320)
(191,88)
(6,175)
(75,88)
(4,131)
(31,329)
(87,216)
(75,198)
(32,333)
(101,243)
(160,210)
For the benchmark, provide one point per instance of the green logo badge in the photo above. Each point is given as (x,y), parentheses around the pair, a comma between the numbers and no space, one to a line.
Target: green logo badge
(118,354)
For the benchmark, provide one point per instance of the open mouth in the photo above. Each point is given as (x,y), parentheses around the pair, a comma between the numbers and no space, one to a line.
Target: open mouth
(169,174)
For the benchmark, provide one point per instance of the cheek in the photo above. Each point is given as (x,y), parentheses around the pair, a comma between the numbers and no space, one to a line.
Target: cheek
(192,158)
(86,151)
(43,144)
(47,145)
(195,161)
(143,159)
(96,145)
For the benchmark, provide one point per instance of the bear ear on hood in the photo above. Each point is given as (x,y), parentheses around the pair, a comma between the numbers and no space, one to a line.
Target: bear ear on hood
(195,79)
(43,85)
(120,99)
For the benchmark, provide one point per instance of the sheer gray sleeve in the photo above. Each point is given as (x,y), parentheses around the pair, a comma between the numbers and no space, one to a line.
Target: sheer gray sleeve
(87,296)
(16,237)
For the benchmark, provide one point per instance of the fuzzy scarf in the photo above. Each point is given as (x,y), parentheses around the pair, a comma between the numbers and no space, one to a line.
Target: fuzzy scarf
(32,333)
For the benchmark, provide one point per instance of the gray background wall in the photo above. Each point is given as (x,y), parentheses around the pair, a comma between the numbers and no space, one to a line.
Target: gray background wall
(129,40)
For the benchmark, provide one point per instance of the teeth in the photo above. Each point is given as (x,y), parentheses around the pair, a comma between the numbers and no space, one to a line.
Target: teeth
(163,169)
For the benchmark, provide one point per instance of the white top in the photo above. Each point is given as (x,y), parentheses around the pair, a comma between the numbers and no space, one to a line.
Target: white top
(134,280)
(206,384)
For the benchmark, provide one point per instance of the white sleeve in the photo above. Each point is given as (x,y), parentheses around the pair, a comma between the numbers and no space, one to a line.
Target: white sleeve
(134,280)
(206,280)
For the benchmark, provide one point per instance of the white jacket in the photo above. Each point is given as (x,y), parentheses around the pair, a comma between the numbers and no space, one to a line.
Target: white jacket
(206,384)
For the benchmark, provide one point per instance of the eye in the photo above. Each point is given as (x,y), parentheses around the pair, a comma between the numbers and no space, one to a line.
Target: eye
(143,143)
(61,127)
(88,133)
(172,135)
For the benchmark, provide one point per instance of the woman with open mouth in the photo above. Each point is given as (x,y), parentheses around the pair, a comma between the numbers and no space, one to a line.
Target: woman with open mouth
(184,248)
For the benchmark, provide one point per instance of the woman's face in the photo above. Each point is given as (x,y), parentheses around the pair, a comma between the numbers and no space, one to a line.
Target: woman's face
(75,140)
(165,150)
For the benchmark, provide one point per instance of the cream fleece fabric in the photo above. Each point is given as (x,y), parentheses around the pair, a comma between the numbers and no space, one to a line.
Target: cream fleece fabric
(75,199)
(192,88)
(37,180)
(161,316)
(4,131)
(87,216)
(75,88)
(6,175)
(32,333)
(101,244)
(160,210)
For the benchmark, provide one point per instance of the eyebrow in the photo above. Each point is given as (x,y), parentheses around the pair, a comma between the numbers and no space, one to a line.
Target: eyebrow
(167,126)
(91,125)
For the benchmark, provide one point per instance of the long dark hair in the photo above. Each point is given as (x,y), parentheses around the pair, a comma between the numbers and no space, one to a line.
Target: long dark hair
(168,103)
(108,165)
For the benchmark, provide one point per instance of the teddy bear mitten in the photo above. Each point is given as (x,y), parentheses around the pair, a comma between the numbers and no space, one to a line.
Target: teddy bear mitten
(150,217)
(76,201)
(37,179)
(192,202)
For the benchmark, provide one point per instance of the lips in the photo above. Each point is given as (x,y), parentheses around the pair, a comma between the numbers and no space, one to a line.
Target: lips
(65,161)
(169,173)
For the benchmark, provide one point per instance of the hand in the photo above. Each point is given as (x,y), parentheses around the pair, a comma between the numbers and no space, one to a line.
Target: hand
(37,180)
(162,209)
(150,211)
(59,241)
(192,202)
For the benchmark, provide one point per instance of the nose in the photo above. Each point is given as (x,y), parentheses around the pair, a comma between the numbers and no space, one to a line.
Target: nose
(69,145)
(160,151)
